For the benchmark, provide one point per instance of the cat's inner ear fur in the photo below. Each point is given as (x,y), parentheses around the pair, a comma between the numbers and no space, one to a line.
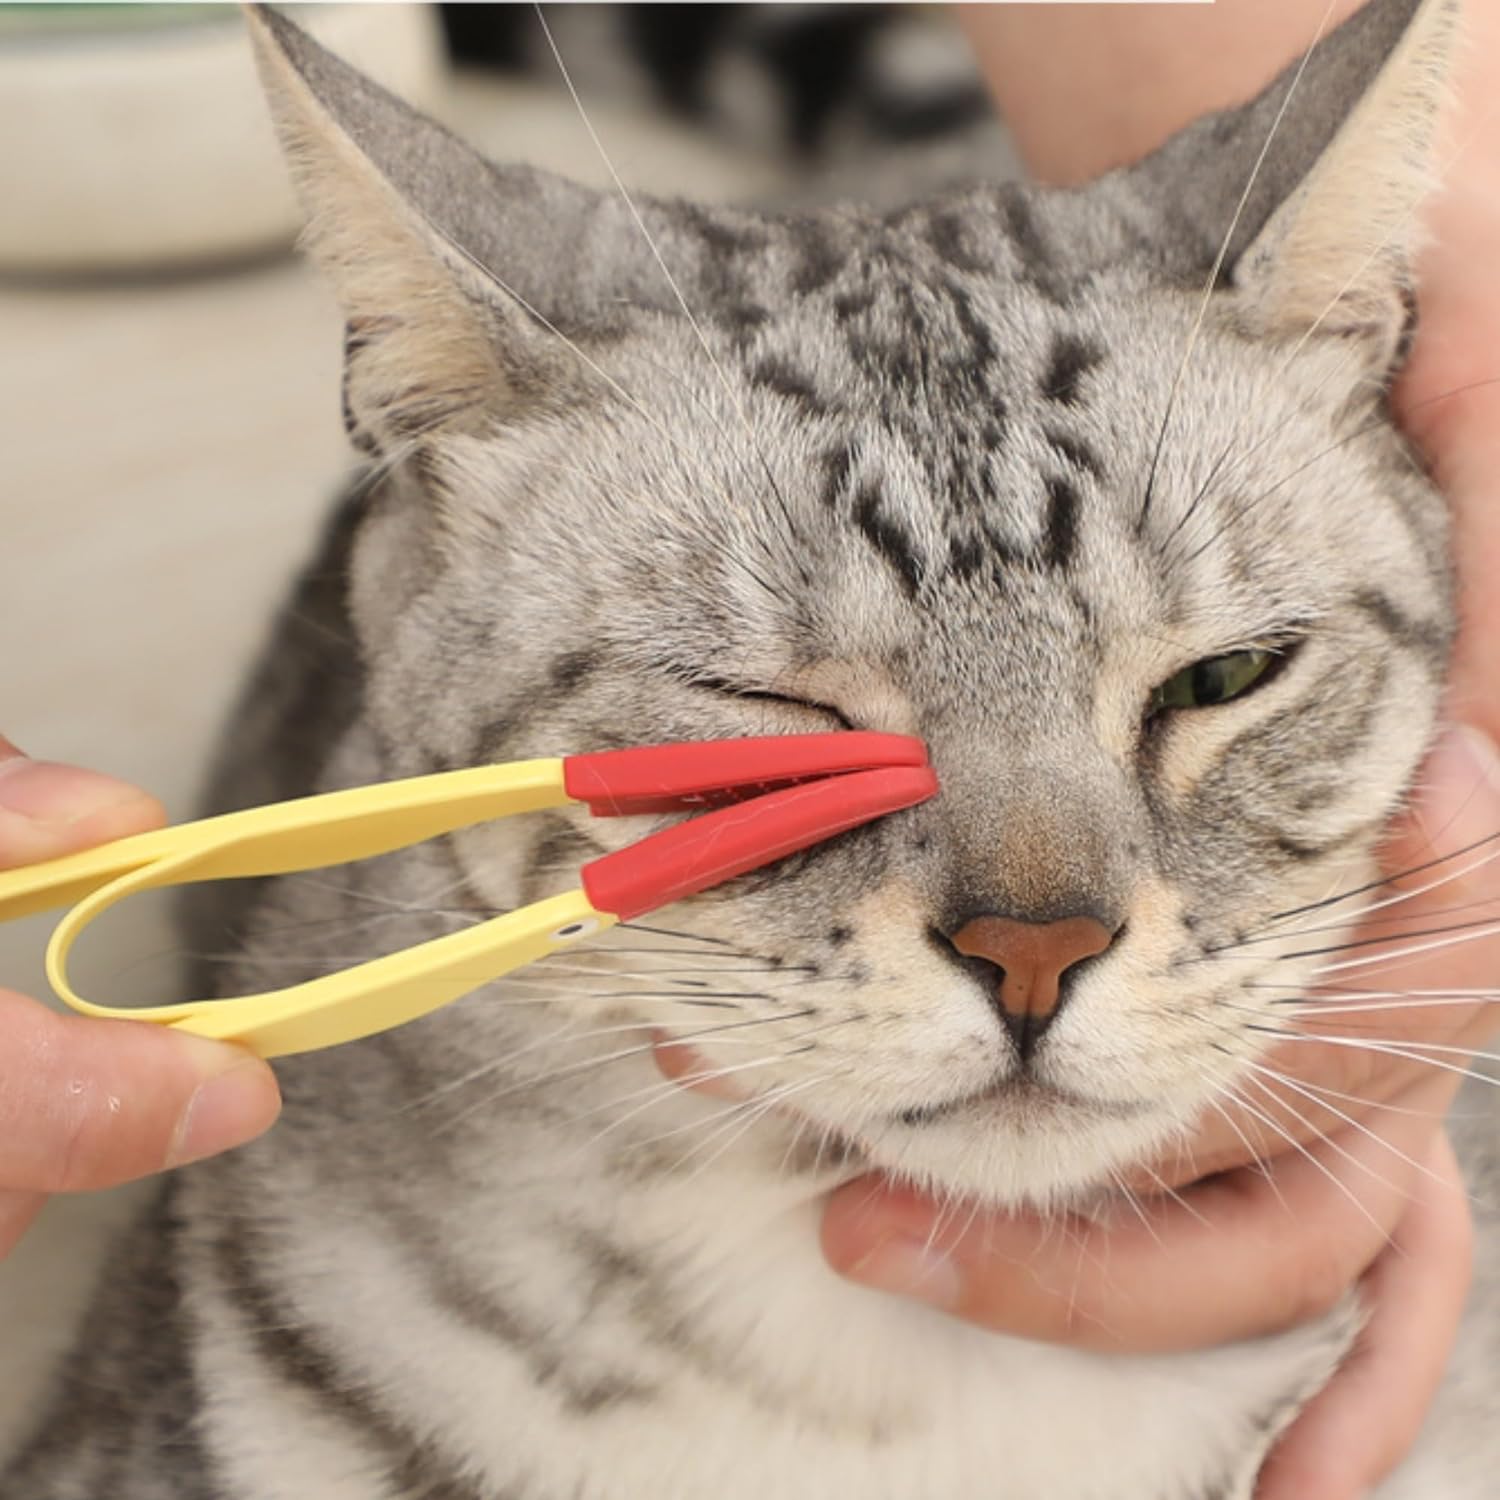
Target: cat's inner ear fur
(1336,256)
(434,344)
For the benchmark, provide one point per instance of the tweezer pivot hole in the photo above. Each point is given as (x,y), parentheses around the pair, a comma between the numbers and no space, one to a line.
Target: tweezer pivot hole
(574,930)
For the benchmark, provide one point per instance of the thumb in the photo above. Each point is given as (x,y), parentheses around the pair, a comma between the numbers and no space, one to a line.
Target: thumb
(87,1104)
(47,810)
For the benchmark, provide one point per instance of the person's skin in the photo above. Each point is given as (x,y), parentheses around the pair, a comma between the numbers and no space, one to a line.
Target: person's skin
(87,1104)
(1251,1250)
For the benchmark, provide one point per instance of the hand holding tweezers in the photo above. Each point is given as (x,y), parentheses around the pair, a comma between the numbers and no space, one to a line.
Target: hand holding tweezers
(764,799)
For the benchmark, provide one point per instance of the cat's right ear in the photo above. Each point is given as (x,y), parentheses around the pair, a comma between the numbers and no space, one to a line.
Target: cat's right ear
(1305,201)
(392,201)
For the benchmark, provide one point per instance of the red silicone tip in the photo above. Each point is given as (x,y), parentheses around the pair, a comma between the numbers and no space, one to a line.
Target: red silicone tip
(706,851)
(715,773)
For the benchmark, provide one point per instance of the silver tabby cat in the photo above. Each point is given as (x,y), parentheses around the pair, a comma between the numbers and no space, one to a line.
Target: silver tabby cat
(1149,570)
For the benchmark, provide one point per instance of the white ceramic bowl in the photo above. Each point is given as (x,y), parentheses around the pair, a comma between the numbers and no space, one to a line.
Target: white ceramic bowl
(136,138)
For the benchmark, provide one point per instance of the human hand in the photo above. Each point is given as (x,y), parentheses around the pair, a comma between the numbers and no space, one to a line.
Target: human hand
(88,1104)
(1170,1278)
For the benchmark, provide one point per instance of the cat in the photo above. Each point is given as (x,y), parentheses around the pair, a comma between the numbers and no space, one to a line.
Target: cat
(1149,569)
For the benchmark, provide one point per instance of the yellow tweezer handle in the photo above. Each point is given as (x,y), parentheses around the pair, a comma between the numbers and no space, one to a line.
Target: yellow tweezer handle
(306,834)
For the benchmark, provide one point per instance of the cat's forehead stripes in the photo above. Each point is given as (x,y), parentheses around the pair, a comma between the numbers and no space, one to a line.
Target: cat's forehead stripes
(890,332)
(1428,638)
(1070,359)
(780,374)
(889,538)
(1075,452)
(1039,261)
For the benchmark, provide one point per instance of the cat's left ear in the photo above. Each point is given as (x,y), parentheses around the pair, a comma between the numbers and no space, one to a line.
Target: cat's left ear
(1337,255)
(1306,199)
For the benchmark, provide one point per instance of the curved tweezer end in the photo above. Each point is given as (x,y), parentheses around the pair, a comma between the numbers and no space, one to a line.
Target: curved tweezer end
(719,773)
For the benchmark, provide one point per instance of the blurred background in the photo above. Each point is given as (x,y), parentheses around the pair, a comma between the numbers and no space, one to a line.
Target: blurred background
(169,371)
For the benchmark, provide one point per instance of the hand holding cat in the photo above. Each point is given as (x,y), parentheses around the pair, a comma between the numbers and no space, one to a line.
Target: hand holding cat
(86,1104)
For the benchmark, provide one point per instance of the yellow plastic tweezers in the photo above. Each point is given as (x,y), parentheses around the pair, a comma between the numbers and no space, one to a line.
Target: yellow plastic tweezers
(767,798)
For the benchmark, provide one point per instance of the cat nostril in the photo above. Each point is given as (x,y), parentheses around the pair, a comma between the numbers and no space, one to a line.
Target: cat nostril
(1032,958)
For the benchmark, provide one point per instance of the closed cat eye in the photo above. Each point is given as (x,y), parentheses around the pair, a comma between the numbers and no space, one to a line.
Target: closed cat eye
(1216,679)
(761,695)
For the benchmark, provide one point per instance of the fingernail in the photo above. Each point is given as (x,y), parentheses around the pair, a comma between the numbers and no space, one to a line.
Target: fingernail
(234,1105)
(43,792)
(909,1268)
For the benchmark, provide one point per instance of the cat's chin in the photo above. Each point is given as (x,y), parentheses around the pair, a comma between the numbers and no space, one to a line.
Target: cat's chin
(1011,1157)
(1024,1100)
(1018,1142)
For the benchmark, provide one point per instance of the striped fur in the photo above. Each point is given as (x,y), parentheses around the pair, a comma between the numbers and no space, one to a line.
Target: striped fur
(943,470)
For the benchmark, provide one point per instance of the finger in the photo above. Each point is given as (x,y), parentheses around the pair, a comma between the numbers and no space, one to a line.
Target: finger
(48,809)
(1367,1419)
(17,1210)
(1234,1257)
(1290,1108)
(1394,1006)
(1441,867)
(1363,1036)
(688,1068)
(87,1104)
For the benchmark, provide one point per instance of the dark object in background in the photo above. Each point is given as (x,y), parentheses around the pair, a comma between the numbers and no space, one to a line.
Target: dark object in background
(801,77)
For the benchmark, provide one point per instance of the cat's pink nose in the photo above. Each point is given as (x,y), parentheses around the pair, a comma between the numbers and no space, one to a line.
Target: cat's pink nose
(1032,958)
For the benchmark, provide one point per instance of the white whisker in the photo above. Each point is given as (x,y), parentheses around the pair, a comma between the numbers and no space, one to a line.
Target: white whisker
(1395,1049)
(1297,1146)
(1123,1191)
(1167,1190)
(1402,954)
(1281,1078)
(755,1110)
(657,1093)
(1317,1007)
(734,397)
(1410,894)
(591,1063)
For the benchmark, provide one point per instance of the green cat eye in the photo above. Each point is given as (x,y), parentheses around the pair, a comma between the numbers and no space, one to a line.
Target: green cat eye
(1214,680)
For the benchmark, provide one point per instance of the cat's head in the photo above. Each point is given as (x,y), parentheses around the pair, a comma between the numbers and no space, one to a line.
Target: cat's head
(1146,566)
